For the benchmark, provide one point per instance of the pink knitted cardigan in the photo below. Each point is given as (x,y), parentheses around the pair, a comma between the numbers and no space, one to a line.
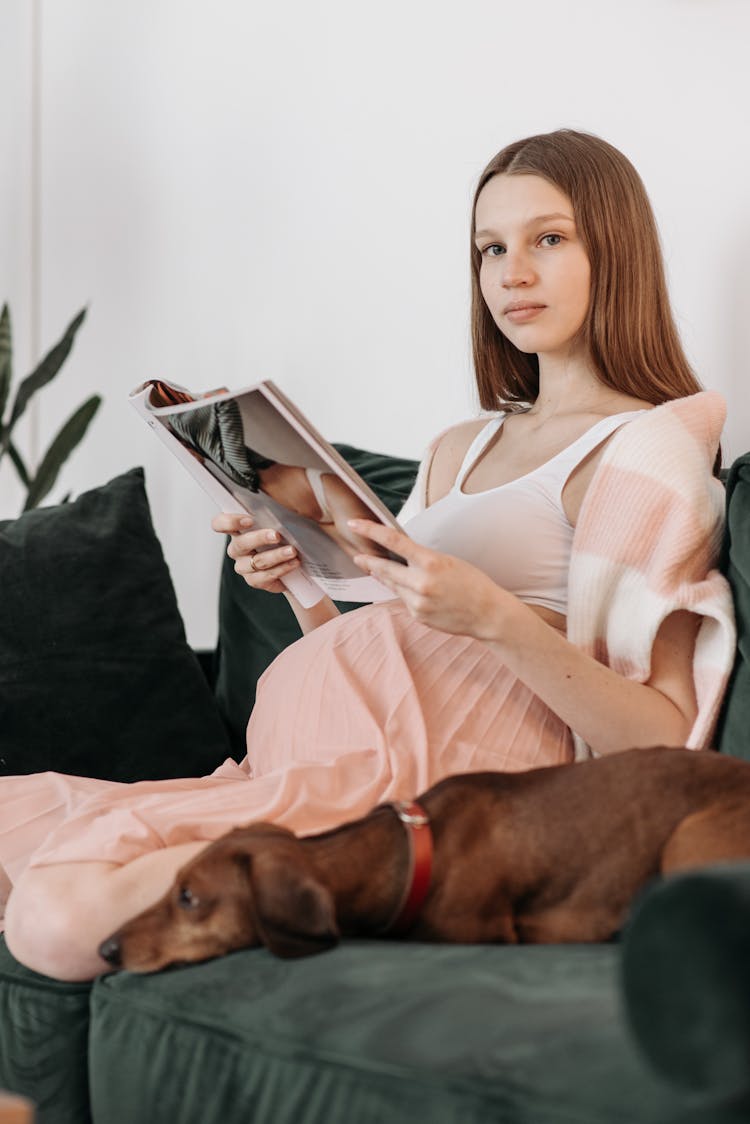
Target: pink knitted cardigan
(646,545)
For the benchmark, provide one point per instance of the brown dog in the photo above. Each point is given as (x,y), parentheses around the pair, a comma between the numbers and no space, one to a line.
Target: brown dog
(550,855)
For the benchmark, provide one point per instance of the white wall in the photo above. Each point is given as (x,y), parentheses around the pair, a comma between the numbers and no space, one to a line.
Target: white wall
(240,189)
(16,225)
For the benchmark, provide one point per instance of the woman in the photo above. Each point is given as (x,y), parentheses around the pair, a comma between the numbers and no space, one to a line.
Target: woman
(511,642)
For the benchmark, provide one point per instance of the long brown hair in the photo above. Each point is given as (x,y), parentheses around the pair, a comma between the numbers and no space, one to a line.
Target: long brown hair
(629,330)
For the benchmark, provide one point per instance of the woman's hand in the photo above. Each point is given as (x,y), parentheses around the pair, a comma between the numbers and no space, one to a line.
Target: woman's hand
(260,556)
(438,589)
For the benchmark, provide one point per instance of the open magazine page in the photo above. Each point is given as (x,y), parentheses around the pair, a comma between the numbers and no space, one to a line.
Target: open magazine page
(249,456)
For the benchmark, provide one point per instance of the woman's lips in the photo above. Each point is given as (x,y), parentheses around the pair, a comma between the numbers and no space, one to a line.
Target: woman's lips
(521,313)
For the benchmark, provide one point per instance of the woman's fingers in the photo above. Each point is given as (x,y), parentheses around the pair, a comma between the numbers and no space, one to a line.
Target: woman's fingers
(231,522)
(421,562)
(263,561)
(252,541)
(391,538)
(393,574)
(246,540)
(264,570)
(260,555)
(267,579)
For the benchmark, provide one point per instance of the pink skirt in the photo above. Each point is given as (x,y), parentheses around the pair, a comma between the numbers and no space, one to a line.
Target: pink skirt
(372,706)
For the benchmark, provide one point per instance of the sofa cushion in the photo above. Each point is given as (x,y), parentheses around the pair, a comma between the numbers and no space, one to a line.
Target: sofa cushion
(255,626)
(372,1032)
(96,675)
(44,1029)
(734,721)
(686,980)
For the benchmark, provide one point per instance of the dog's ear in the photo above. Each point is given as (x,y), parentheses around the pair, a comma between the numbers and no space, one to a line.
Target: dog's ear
(294,912)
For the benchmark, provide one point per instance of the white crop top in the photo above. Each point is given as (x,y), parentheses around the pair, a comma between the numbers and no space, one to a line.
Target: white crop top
(518,533)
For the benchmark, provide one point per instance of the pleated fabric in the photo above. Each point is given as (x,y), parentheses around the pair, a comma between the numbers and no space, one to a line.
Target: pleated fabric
(372,706)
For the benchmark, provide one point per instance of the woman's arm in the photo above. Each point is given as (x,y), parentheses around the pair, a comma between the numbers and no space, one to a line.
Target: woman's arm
(308,619)
(609,712)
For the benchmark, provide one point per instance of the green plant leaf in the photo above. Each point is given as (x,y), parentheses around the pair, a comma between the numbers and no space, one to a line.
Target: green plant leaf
(59,451)
(5,359)
(46,370)
(20,467)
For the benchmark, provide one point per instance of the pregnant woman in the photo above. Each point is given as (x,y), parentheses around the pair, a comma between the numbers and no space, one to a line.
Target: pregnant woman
(557,597)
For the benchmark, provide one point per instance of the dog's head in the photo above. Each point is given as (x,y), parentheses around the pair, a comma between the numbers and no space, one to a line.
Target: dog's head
(254,886)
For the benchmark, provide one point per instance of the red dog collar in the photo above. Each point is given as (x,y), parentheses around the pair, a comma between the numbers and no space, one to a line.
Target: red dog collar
(417,824)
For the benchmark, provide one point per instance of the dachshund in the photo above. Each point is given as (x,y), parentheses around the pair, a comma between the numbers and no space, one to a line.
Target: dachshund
(551,855)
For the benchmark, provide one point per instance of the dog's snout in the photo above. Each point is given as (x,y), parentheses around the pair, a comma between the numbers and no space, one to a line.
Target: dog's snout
(111,951)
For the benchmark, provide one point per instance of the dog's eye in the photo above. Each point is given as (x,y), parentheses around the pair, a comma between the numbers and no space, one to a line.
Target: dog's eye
(187,899)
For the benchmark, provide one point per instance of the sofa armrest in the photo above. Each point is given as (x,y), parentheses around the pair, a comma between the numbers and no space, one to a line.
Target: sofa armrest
(686,980)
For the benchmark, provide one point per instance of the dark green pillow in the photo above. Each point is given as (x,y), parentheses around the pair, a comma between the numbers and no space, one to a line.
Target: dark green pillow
(255,626)
(96,676)
(734,721)
(686,980)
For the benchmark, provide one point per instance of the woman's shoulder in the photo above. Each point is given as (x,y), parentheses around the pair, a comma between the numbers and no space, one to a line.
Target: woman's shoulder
(664,455)
(676,433)
(447,452)
(457,439)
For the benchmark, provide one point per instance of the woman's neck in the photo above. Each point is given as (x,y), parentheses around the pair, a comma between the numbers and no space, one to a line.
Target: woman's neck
(570,385)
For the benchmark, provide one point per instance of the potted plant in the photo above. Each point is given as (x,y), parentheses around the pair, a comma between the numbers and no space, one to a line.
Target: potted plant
(39,482)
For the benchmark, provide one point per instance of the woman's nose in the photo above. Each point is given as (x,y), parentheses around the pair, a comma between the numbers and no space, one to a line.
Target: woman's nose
(517,270)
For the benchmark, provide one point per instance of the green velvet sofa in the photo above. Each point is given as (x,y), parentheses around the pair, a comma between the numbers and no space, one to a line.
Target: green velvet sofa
(96,677)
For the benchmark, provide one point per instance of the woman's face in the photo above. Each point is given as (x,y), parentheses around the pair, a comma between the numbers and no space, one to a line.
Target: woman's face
(535,276)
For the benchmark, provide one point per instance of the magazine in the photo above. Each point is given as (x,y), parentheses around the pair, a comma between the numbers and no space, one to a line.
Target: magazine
(252,450)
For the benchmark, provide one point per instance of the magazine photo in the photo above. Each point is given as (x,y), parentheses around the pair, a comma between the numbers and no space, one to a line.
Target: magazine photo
(253,451)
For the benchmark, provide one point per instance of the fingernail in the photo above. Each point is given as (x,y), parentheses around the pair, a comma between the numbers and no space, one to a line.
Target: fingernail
(287,552)
(246,521)
(272,536)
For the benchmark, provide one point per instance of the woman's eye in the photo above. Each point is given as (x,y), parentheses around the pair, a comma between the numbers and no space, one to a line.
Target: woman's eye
(551,239)
(493,251)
